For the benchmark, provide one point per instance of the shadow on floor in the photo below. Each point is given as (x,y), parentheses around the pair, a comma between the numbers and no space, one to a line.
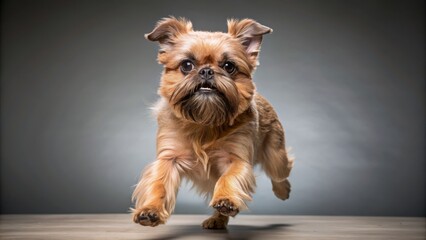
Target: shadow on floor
(234,232)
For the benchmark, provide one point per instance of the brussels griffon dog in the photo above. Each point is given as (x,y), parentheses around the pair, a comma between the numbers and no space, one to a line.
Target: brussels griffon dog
(213,126)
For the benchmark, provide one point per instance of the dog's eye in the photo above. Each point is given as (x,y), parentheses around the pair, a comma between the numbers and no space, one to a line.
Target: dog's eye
(186,66)
(229,67)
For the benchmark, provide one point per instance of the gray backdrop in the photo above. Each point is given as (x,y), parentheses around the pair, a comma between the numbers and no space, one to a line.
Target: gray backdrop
(346,78)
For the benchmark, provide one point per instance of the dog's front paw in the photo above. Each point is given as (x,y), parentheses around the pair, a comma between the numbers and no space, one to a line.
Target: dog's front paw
(147,217)
(226,207)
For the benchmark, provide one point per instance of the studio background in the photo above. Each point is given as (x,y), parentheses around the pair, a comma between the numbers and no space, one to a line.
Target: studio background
(347,79)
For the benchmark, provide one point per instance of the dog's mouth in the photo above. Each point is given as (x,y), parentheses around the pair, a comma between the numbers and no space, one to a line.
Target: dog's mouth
(206,87)
(206,102)
(202,89)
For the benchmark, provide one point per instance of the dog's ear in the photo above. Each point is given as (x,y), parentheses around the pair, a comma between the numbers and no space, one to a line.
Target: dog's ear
(168,29)
(250,34)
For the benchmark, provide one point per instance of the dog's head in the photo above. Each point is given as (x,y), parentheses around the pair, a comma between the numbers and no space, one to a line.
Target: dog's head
(207,75)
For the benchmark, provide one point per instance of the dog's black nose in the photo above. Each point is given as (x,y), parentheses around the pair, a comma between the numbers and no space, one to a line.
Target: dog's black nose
(206,73)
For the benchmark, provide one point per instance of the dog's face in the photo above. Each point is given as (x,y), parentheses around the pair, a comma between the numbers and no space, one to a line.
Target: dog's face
(207,76)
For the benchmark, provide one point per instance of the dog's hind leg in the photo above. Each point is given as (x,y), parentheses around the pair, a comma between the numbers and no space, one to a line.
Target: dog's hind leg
(275,160)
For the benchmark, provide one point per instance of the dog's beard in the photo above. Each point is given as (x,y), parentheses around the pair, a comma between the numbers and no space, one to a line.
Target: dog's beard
(211,103)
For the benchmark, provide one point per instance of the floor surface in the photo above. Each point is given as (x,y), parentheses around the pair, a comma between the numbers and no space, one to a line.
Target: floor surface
(120,226)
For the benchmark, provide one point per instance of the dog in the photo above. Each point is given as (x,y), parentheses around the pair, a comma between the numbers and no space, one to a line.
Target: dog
(213,126)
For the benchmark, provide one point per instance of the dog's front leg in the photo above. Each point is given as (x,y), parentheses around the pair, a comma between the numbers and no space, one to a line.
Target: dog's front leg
(155,194)
(236,184)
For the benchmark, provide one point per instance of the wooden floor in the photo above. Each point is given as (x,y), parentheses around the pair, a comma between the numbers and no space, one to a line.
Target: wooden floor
(120,226)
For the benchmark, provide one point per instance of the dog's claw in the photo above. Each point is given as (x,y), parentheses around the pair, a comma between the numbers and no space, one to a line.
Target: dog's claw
(152,217)
(226,208)
(147,218)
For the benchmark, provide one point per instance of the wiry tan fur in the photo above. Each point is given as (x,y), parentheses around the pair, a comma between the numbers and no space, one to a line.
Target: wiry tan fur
(214,139)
